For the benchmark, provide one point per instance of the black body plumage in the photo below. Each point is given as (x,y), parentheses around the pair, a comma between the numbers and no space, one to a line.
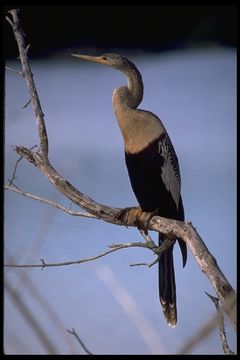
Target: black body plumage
(145,169)
(146,176)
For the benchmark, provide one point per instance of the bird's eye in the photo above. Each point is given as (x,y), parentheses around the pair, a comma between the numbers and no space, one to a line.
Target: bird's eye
(104,58)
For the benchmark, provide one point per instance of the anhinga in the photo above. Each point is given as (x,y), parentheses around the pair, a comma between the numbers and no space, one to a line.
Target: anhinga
(152,166)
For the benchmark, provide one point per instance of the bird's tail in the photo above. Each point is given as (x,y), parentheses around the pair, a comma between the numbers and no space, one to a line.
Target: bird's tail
(167,286)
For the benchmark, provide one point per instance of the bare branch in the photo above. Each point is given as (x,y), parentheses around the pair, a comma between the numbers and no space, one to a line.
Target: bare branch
(127,245)
(114,247)
(208,327)
(26,105)
(26,71)
(104,212)
(15,169)
(147,238)
(13,70)
(221,326)
(147,264)
(65,263)
(49,202)
(73,332)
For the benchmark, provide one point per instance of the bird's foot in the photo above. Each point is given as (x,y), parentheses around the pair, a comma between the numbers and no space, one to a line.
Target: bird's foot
(134,216)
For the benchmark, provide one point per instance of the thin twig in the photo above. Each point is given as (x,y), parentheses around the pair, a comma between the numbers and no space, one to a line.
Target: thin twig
(147,237)
(73,332)
(10,22)
(10,181)
(72,262)
(26,105)
(127,245)
(158,250)
(146,264)
(13,70)
(50,202)
(221,326)
(114,247)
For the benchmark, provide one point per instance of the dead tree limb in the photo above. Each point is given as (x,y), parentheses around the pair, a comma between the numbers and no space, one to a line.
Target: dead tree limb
(221,327)
(182,230)
(74,333)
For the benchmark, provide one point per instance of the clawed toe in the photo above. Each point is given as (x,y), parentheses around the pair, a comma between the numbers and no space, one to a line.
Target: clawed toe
(122,216)
(127,215)
(144,220)
(134,216)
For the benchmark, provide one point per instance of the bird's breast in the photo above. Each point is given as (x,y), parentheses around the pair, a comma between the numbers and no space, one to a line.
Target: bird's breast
(139,128)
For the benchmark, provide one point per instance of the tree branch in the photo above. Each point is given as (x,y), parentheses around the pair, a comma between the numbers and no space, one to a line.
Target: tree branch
(26,72)
(181,230)
(73,332)
(221,326)
(14,177)
(49,202)
(114,247)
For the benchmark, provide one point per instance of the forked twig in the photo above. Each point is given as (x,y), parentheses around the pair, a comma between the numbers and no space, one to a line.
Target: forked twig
(221,326)
(73,332)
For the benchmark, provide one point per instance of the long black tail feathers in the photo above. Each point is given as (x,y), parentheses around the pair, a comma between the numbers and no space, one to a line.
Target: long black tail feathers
(170,312)
(167,286)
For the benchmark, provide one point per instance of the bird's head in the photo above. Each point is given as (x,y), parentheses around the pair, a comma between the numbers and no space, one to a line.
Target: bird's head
(114,60)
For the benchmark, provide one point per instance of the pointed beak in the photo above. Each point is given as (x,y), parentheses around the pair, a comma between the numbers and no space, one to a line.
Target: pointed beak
(96,59)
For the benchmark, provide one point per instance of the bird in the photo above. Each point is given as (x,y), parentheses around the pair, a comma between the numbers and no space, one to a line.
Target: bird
(152,166)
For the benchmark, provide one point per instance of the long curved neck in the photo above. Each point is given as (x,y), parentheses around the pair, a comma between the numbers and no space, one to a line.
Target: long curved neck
(131,95)
(139,128)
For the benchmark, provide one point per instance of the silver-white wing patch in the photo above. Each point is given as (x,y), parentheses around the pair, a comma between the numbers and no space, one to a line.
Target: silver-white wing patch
(170,168)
